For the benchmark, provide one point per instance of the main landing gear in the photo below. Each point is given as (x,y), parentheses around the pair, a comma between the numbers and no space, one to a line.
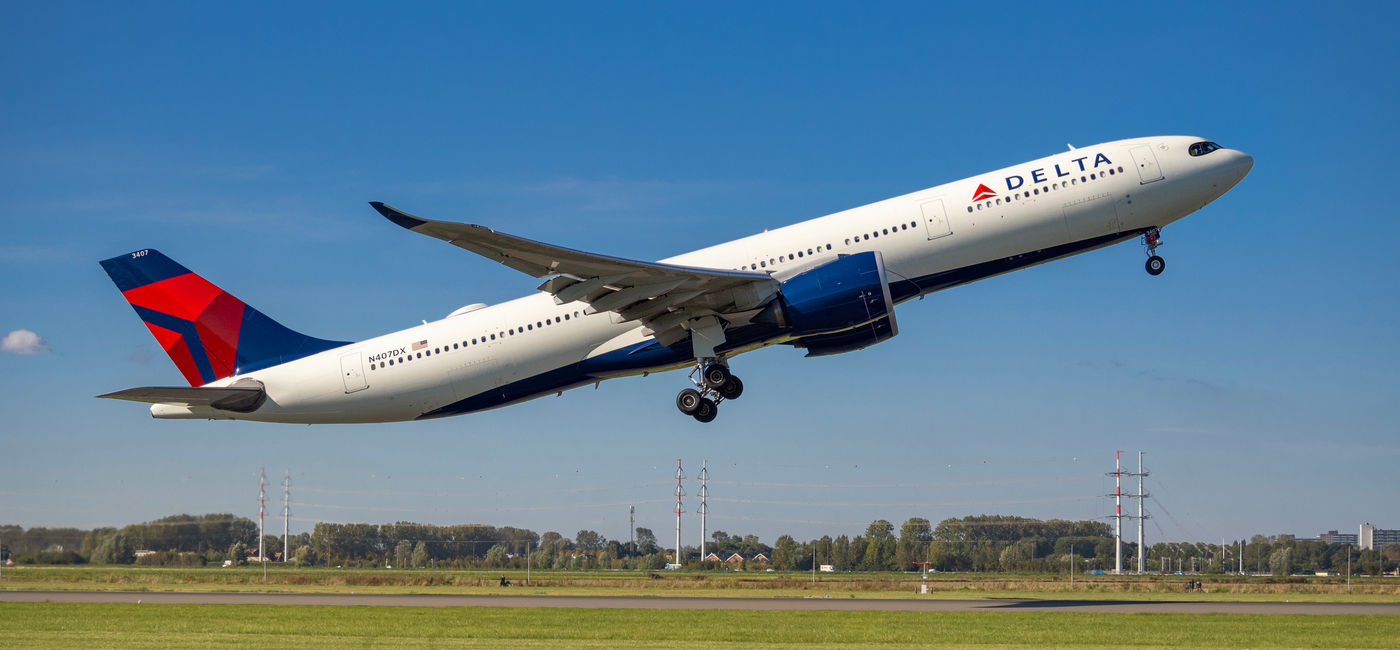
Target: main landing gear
(715,385)
(1152,239)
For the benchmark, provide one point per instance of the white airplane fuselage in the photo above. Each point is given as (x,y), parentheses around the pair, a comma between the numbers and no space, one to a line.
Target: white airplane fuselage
(491,356)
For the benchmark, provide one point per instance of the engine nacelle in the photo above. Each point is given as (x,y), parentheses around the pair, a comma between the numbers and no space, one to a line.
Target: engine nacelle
(850,340)
(838,296)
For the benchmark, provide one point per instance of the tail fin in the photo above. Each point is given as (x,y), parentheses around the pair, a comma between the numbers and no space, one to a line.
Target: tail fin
(207,332)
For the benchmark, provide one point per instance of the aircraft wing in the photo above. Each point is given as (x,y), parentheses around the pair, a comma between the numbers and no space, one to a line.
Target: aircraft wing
(663,296)
(241,399)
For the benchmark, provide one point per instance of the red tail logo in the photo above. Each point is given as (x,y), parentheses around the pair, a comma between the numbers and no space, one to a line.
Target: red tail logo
(983,192)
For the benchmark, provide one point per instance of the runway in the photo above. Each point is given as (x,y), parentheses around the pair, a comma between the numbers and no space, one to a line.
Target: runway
(637,602)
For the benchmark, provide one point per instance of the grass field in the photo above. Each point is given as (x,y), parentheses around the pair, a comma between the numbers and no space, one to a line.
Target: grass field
(50,625)
(632,583)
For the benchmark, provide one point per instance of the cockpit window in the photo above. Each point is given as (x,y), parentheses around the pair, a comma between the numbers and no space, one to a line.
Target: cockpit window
(1203,148)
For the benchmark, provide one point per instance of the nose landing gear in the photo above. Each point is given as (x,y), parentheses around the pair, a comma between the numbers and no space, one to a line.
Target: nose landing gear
(1152,239)
(715,385)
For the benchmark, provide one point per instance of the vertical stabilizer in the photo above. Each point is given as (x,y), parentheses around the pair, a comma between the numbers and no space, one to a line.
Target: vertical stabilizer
(207,332)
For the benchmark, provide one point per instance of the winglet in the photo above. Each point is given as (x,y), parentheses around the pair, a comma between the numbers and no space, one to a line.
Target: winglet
(401,218)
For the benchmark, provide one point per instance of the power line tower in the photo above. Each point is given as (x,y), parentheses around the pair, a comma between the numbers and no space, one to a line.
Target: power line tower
(1142,517)
(286,509)
(680,492)
(704,507)
(262,503)
(1117,515)
(1118,473)
(262,483)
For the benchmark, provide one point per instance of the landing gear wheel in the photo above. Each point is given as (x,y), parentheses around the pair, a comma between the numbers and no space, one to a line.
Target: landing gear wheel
(731,389)
(707,410)
(715,376)
(689,401)
(1155,265)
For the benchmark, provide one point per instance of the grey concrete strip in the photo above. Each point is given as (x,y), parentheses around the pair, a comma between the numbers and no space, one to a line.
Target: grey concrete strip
(641,602)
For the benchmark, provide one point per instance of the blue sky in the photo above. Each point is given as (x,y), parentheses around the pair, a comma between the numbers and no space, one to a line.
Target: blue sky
(1258,373)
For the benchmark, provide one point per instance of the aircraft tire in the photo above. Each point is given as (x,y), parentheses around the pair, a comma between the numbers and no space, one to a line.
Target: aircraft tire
(707,411)
(732,388)
(716,375)
(689,401)
(1155,265)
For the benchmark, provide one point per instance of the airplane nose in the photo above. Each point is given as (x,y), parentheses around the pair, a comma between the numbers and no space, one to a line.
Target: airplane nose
(1240,166)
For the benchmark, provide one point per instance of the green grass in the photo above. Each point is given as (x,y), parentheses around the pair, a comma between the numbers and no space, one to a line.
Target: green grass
(52,625)
(704,584)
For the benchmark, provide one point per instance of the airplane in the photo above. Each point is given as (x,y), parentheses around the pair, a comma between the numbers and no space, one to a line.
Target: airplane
(829,286)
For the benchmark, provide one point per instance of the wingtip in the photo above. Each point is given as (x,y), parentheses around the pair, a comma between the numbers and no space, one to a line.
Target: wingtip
(399,217)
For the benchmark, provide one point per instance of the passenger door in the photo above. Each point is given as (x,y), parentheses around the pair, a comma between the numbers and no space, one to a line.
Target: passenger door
(935,218)
(1146,161)
(352,370)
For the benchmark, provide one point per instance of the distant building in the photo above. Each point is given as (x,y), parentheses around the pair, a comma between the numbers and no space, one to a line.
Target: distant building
(1373,538)
(1334,537)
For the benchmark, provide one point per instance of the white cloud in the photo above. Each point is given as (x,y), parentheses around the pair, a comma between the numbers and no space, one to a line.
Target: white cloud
(24,342)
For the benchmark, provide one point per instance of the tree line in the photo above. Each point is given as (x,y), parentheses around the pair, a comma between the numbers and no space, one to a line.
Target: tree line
(985,543)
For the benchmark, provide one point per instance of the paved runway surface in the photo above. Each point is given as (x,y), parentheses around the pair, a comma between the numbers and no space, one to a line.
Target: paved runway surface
(636,602)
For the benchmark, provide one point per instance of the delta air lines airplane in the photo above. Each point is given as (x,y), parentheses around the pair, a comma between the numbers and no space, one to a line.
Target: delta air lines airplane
(829,285)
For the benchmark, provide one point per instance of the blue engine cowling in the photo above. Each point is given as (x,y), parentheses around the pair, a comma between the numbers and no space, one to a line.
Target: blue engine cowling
(850,340)
(837,297)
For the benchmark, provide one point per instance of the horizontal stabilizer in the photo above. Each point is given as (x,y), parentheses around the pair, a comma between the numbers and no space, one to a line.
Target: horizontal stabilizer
(239,399)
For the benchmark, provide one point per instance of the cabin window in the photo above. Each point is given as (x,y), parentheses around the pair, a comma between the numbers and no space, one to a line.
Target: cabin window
(969,208)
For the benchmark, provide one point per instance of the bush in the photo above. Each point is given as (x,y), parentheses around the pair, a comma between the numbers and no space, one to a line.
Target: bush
(50,557)
(170,558)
